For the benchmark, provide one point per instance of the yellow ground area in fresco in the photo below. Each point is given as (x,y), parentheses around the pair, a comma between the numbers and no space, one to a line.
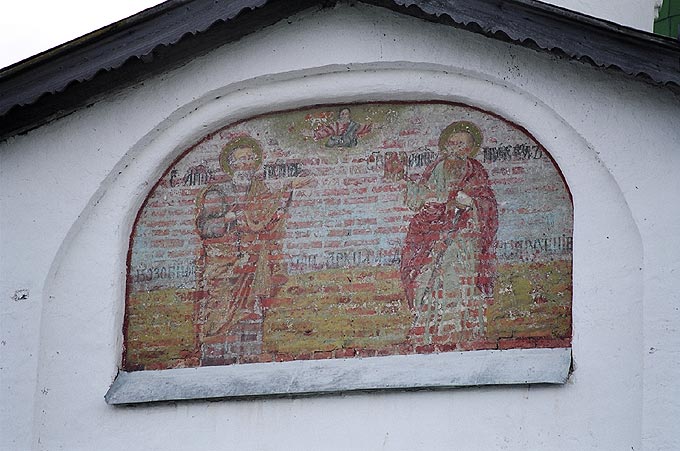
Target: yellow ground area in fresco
(360,308)
(531,300)
(160,328)
(338,309)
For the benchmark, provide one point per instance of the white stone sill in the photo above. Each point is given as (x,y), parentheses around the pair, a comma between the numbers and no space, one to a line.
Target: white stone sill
(307,377)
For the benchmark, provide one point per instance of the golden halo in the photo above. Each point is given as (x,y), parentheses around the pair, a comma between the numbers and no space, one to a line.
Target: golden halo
(239,143)
(463,126)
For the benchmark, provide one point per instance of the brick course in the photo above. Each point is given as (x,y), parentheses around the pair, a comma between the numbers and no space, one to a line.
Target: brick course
(323,280)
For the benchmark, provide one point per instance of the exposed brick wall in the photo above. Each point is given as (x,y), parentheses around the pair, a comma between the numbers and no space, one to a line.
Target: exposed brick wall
(303,261)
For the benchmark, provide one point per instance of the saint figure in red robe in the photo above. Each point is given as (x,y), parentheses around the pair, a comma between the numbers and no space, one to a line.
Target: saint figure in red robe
(448,260)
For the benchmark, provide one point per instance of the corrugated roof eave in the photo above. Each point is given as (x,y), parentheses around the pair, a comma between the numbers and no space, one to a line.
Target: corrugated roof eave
(56,82)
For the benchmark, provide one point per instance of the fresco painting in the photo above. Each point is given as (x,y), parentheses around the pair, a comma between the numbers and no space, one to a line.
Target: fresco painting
(349,231)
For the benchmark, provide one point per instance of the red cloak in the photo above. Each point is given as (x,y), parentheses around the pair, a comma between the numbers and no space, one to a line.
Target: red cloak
(434,224)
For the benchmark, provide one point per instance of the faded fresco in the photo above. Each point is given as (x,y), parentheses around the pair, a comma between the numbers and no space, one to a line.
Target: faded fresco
(351,231)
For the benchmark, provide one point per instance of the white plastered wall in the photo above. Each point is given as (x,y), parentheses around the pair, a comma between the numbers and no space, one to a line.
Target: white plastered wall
(638,14)
(70,191)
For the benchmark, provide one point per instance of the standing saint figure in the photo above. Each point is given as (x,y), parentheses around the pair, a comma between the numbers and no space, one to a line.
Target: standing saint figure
(448,260)
(241,229)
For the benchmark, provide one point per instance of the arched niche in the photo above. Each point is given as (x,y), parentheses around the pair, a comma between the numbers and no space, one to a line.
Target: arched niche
(385,231)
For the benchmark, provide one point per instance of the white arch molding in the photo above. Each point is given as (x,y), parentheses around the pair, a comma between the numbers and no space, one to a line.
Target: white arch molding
(112,210)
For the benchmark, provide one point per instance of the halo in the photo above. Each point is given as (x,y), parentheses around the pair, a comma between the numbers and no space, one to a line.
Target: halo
(463,126)
(237,143)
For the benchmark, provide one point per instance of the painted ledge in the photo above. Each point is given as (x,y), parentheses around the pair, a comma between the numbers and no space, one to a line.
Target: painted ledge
(303,377)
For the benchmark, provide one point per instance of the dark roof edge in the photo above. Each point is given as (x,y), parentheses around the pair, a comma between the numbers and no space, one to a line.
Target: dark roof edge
(55,53)
(110,47)
(535,24)
(56,82)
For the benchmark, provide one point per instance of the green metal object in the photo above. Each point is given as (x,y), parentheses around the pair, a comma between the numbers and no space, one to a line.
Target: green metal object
(668,22)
